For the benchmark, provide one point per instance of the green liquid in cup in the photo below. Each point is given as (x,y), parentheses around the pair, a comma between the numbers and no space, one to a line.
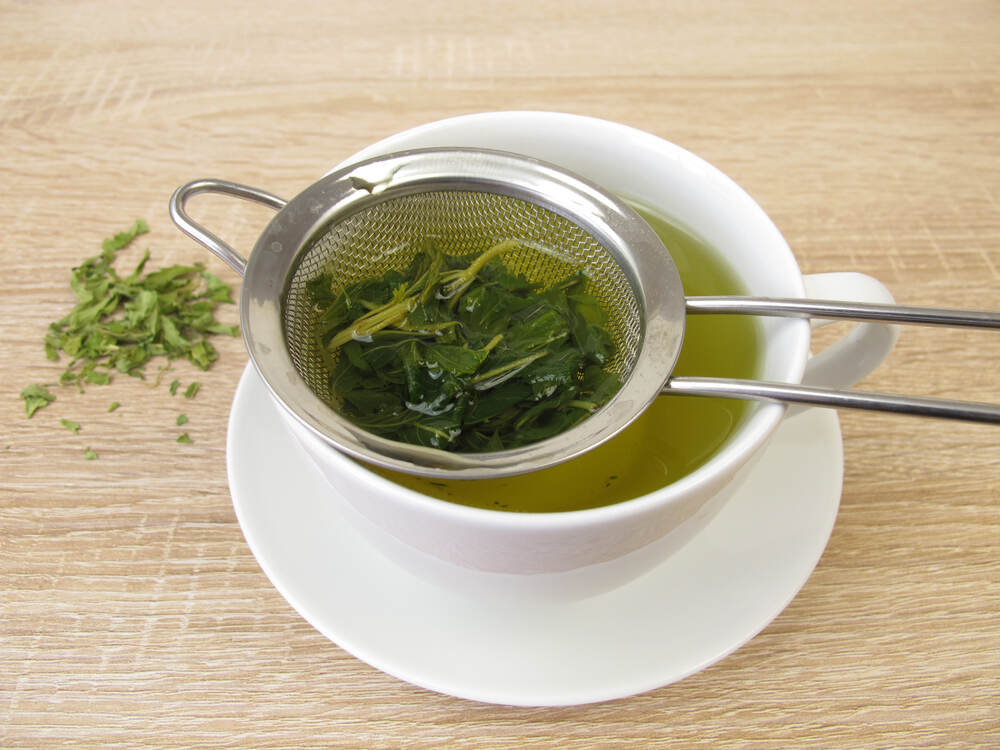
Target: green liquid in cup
(672,438)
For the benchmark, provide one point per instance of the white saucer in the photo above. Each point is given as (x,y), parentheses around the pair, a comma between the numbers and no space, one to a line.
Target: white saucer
(709,598)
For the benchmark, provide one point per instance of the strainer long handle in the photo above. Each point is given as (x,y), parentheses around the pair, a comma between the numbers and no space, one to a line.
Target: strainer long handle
(803,308)
(831,397)
(197,232)
(970,411)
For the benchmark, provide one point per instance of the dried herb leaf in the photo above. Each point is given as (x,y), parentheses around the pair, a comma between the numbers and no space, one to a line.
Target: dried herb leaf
(70,425)
(122,239)
(35,397)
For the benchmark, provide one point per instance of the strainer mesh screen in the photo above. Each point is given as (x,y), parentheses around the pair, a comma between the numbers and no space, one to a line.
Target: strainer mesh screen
(388,234)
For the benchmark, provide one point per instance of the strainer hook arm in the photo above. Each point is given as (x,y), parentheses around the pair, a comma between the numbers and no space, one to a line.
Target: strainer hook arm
(205,237)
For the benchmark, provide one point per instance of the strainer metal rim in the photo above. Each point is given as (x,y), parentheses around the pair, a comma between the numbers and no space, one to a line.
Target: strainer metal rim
(633,244)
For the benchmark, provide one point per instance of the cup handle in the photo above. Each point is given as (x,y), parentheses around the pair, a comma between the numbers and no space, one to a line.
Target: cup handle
(865,346)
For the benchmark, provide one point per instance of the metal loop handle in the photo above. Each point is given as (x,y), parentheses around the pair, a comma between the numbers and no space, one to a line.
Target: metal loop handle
(197,232)
(830,397)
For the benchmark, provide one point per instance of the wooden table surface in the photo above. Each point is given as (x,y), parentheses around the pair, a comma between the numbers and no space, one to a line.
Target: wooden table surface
(134,614)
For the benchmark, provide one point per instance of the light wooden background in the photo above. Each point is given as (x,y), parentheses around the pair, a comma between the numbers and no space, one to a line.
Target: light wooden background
(132,612)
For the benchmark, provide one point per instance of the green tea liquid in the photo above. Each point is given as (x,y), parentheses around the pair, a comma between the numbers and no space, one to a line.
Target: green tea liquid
(672,438)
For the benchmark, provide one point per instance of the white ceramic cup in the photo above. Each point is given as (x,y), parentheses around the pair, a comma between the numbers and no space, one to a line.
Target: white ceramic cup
(605,546)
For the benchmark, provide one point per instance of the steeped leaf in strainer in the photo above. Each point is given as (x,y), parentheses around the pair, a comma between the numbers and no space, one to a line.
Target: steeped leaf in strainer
(367,218)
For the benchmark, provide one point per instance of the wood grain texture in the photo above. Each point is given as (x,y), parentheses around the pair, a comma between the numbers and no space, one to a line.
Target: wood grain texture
(133,614)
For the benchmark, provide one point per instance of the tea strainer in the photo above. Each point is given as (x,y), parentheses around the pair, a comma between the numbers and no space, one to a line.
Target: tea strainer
(369,217)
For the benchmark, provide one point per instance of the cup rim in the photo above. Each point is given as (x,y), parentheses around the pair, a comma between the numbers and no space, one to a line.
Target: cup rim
(729,457)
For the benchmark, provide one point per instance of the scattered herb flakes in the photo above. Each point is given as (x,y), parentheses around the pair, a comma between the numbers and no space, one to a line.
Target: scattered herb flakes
(35,397)
(181,419)
(463,356)
(192,389)
(121,322)
(184,438)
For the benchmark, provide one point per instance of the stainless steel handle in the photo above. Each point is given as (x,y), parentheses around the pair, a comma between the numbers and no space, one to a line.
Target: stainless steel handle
(970,411)
(830,397)
(801,308)
(194,230)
